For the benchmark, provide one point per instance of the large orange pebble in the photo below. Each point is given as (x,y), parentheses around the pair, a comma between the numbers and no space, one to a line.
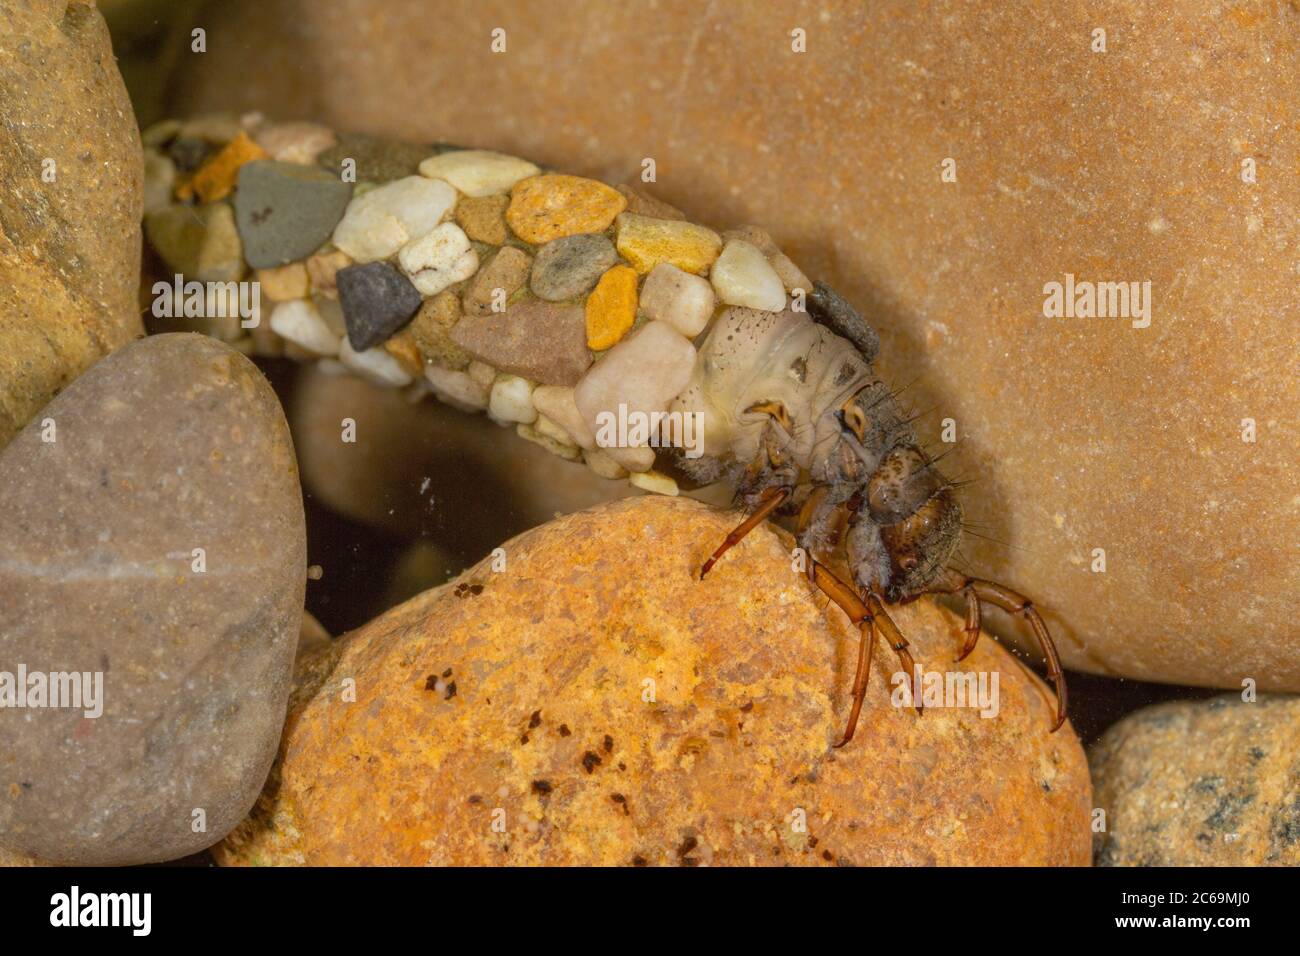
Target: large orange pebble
(547,207)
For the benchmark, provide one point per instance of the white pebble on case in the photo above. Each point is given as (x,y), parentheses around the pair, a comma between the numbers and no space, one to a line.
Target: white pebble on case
(655,482)
(457,389)
(379,222)
(643,374)
(672,295)
(299,322)
(512,400)
(440,258)
(743,276)
(478,172)
(557,404)
(374,364)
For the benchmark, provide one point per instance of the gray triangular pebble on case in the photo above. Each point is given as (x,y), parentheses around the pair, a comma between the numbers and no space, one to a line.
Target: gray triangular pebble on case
(286,211)
(377,300)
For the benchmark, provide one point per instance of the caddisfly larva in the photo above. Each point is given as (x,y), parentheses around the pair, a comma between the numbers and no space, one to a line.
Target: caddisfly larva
(564,306)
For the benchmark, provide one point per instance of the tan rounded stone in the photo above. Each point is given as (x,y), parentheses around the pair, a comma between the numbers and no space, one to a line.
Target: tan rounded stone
(1081,434)
(70,243)
(609,708)
(484,218)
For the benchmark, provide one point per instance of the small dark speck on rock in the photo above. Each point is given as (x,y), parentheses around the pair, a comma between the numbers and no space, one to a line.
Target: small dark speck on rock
(535,719)
(564,730)
(590,761)
(609,744)
(451,691)
(542,786)
(689,844)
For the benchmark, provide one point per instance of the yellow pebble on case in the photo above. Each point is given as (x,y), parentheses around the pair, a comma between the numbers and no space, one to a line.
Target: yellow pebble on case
(646,242)
(548,207)
(611,308)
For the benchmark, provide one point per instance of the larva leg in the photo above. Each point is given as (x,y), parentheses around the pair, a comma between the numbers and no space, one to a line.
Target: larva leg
(894,636)
(771,499)
(976,590)
(843,595)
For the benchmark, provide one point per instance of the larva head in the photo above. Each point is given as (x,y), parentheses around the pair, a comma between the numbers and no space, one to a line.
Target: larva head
(919,516)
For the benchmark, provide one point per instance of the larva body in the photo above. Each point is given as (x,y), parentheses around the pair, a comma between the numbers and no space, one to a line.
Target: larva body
(552,301)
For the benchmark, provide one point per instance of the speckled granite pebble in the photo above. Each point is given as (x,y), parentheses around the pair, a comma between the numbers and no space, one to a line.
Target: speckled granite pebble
(1201,783)
(569,267)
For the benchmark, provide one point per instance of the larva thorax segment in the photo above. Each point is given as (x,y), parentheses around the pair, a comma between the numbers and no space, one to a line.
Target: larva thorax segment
(908,520)
(792,404)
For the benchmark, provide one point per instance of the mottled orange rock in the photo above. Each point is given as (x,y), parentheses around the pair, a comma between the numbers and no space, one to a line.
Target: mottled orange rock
(646,242)
(70,202)
(1081,433)
(602,705)
(547,207)
(611,308)
(215,179)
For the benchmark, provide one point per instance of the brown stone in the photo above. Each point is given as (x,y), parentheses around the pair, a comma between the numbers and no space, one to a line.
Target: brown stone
(70,248)
(1201,783)
(431,330)
(484,218)
(542,341)
(1082,433)
(152,532)
(643,204)
(617,709)
(498,280)
(313,640)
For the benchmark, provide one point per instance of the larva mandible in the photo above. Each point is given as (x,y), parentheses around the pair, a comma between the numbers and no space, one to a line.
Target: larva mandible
(564,305)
